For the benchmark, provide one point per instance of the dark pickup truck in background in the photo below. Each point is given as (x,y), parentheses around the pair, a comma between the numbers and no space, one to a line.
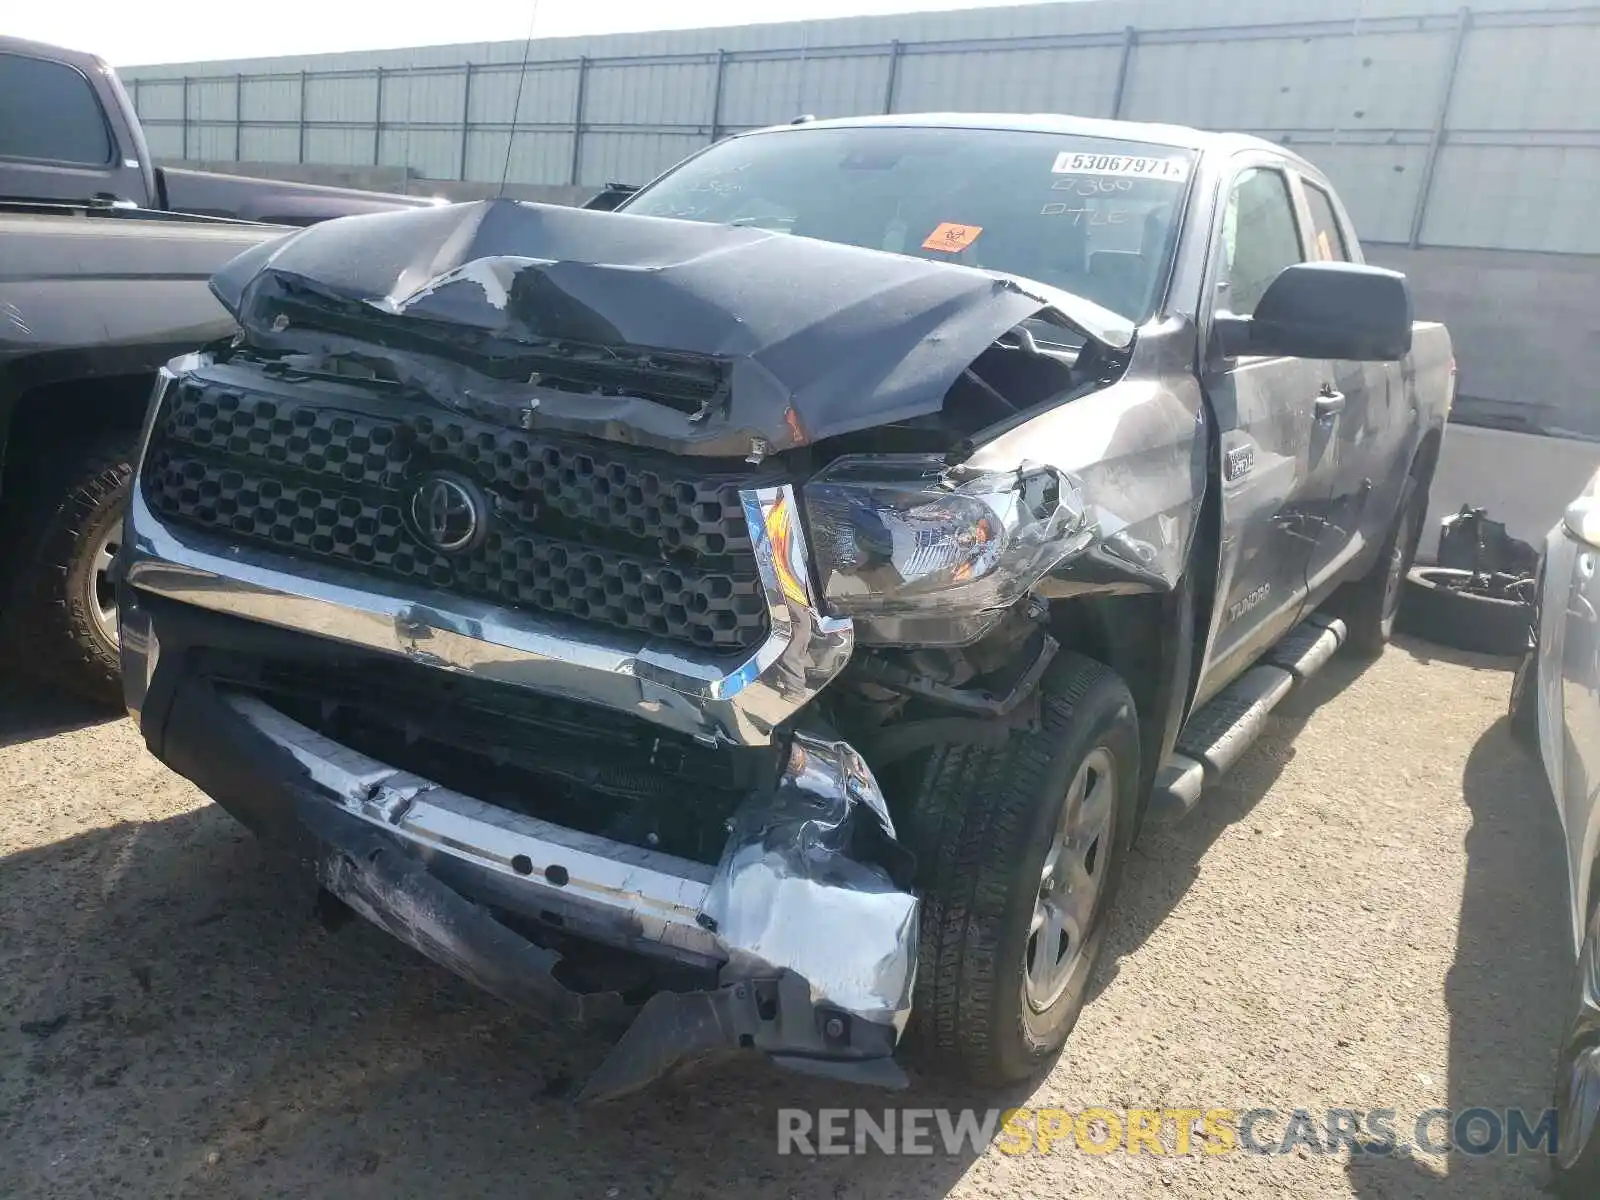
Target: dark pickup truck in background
(103,266)
(788,591)
(69,134)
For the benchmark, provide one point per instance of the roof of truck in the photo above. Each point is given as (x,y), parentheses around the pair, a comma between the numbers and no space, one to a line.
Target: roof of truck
(1201,140)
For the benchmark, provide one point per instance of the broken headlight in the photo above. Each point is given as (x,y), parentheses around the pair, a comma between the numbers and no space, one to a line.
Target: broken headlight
(921,553)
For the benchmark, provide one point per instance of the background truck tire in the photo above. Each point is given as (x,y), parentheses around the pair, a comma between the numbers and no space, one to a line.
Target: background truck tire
(983,826)
(1435,608)
(1371,605)
(56,631)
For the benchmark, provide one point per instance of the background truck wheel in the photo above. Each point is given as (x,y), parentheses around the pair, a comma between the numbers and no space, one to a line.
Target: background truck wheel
(1019,850)
(63,629)
(1371,605)
(1440,607)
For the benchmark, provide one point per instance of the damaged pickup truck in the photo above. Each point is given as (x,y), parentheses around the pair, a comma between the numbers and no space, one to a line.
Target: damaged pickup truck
(765,614)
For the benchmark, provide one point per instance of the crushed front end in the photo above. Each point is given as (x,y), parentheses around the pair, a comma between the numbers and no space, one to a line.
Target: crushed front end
(538,743)
(481,579)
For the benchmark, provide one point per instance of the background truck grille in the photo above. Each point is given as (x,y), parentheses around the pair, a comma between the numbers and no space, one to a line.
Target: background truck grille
(582,530)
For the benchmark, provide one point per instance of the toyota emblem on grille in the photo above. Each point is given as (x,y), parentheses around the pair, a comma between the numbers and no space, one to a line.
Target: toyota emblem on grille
(448,512)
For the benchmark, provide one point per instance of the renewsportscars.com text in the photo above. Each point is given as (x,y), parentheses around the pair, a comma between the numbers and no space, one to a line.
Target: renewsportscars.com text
(1166,1131)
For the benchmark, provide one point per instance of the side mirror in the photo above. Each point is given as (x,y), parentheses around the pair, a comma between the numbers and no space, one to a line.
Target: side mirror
(613,195)
(1582,521)
(1332,310)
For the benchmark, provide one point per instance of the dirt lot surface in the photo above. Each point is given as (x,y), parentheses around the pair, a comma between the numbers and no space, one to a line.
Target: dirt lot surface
(1367,914)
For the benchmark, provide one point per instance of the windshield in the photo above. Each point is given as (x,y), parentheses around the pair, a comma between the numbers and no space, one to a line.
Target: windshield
(1091,216)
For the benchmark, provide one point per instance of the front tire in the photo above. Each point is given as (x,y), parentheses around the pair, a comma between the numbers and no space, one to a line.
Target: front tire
(63,630)
(1019,849)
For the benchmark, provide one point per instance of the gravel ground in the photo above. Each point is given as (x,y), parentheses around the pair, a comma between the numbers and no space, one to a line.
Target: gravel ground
(1368,913)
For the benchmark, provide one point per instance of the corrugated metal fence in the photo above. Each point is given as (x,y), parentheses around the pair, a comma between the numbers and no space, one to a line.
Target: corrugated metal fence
(1471,127)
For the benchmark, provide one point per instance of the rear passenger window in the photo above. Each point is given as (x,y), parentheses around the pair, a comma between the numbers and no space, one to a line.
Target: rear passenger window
(1259,239)
(1325,231)
(49,112)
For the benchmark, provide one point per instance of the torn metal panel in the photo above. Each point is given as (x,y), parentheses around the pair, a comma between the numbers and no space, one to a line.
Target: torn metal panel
(1137,451)
(371,873)
(795,340)
(812,882)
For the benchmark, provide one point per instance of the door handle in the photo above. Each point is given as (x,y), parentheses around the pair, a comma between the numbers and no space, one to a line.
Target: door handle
(1329,404)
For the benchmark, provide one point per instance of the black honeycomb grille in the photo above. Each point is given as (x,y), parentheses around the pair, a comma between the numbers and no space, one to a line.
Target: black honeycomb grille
(550,481)
(578,530)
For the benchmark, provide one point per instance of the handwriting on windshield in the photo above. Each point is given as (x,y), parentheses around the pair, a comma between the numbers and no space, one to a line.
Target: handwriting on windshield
(1089,216)
(1092,187)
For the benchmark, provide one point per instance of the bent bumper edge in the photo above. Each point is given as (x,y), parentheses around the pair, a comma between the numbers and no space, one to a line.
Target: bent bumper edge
(814,954)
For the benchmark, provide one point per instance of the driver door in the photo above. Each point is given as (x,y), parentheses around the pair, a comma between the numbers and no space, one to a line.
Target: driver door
(1266,417)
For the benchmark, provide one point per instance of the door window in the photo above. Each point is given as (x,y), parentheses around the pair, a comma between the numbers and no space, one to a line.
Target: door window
(1259,239)
(1325,231)
(49,113)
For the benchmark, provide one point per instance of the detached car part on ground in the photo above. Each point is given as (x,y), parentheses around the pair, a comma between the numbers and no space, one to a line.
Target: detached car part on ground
(1555,715)
(772,637)
(1479,594)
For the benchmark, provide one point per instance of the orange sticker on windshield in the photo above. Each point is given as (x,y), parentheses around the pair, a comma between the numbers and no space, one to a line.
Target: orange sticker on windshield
(952,238)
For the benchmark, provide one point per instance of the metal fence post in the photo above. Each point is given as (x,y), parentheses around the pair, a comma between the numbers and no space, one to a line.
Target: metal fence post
(185,118)
(1130,42)
(466,121)
(716,95)
(895,50)
(238,117)
(377,122)
(1419,214)
(302,155)
(577,117)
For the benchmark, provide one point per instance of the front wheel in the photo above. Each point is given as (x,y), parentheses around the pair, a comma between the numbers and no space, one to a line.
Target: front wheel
(1019,851)
(64,628)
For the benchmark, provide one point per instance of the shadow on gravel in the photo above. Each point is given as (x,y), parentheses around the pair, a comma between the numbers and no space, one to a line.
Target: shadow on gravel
(184,1026)
(29,712)
(1509,988)
(1425,652)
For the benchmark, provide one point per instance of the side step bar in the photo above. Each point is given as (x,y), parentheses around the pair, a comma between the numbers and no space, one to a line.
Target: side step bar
(1217,735)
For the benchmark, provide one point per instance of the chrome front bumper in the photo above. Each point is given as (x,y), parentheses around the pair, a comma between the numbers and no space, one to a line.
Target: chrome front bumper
(637,898)
(740,701)
(811,944)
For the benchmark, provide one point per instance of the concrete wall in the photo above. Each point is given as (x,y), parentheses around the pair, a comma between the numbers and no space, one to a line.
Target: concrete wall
(1443,123)
(1526,329)
(1522,479)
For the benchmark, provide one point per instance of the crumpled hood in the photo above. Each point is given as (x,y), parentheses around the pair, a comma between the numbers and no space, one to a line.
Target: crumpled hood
(817,338)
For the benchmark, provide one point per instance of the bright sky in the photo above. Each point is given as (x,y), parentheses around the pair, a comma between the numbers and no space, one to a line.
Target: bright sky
(172,31)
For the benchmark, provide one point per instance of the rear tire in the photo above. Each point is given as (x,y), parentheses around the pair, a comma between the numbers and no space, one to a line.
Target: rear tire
(63,628)
(1007,946)
(1371,605)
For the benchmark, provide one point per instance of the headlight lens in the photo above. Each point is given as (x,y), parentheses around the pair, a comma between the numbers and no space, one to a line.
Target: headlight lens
(920,552)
